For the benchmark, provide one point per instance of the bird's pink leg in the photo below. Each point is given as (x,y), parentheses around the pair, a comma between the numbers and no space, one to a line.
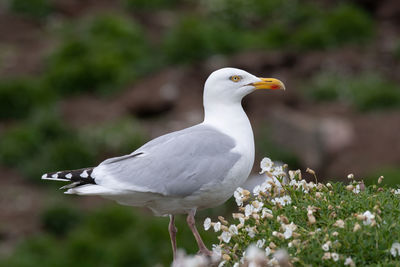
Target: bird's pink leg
(172,233)
(192,225)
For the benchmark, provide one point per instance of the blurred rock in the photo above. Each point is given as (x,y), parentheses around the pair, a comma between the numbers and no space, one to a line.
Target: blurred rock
(311,138)
(389,10)
(153,95)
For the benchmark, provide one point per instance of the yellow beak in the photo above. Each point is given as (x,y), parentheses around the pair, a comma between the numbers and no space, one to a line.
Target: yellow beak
(269,83)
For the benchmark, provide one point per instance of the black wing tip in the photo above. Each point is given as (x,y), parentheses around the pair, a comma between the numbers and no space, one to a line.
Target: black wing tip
(80,175)
(54,177)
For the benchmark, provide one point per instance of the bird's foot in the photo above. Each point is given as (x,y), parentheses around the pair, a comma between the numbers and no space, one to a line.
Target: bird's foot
(205,252)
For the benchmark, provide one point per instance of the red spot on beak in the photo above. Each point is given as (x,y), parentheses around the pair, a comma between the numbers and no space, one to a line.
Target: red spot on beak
(274,86)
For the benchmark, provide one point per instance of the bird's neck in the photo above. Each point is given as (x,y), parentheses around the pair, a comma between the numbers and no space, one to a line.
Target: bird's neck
(231,120)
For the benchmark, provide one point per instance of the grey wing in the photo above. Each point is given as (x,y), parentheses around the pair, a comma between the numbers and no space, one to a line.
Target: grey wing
(176,164)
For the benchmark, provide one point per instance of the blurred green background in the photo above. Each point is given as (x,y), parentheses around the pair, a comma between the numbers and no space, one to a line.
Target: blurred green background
(81,81)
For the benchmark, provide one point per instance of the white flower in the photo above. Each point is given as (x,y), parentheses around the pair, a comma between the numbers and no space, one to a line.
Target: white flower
(256,190)
(395,249)
(326,246)
(217,227)
(248,210)
(356,189)
(291,226)
(264,187)
(250,231)
(238,194)
(217,250)
(226,237)
(207,223)
(236,264)
(260,243)
(266,165)
(257,205)
(397,191)
(265,211)
(369,217)
(267,251)
(335,256)
(285,200)
(278,171)
(349,261)
(233,229)
(222,263)
(288,233)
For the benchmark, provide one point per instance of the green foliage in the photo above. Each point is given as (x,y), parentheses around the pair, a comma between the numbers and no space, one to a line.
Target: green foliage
(396,50)
(20,143)
(294,24)
(344,24)
(32,8)
(391,177)
(150,5)
(110,236)
(101,54)
(193,39)
(18,97)
(59,220)
(266,147)
(365,92)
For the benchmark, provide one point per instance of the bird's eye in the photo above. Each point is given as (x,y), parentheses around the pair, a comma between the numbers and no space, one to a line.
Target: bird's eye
(235,78)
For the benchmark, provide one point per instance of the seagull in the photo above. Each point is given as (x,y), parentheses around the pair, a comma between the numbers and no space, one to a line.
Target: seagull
(184,171)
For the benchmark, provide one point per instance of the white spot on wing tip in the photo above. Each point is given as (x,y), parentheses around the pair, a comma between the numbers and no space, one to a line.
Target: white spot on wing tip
(54,175)
(84,174)
(69,176)
(44,176)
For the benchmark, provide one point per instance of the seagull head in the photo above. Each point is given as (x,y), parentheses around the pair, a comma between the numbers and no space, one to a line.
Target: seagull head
(231,84)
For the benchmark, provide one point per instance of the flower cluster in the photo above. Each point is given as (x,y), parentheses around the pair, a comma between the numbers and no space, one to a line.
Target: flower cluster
(287,215)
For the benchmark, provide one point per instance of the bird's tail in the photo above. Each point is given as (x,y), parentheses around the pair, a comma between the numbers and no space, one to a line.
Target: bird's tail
(77,177)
